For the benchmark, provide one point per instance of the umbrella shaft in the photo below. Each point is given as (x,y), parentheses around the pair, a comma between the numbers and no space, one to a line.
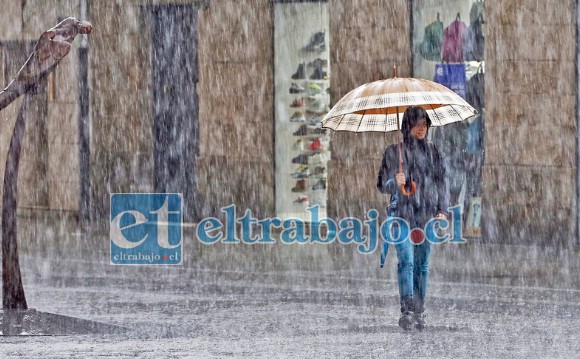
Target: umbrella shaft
(400,135)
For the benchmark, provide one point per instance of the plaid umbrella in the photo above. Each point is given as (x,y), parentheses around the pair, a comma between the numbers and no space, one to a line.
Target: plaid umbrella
(379,106)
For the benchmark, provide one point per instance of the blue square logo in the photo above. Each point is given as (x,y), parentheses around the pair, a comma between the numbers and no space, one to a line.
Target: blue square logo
(146,228)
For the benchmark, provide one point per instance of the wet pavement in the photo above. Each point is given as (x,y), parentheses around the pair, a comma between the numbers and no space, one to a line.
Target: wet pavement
(295,302)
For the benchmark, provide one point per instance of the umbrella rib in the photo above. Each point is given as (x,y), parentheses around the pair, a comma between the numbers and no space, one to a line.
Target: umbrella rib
(340,121)
(433,109)
(361,120)
(457,112)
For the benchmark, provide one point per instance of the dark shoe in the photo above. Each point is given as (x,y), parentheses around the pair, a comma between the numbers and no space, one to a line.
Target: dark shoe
(419,308)
(301,159)
(320,185)
(318,74)
(300,73)
(318,63)
(295,88)
(317,38)
(302,131)
(317,42)
(407,321)
(297,117)
(420,321)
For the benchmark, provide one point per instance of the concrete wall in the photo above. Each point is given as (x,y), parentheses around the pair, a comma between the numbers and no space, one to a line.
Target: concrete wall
(120,102)
(236,90)
(369,37)
(530,172)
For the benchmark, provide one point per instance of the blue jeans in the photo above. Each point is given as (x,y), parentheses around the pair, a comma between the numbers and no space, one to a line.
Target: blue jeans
(413,269)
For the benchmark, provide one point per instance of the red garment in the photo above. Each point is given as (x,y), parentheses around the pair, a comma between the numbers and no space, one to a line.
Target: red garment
(451,50)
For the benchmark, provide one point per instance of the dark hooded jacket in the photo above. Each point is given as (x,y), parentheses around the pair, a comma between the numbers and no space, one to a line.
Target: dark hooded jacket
(424,164)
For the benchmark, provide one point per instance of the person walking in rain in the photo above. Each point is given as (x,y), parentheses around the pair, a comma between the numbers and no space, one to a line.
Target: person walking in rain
(425,172)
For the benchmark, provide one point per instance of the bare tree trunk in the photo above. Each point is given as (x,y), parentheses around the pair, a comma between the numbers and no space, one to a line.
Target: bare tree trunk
(52,46)
(7,97)
(12,289)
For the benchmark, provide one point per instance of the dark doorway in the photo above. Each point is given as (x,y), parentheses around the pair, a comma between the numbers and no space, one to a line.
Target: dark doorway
(175,103)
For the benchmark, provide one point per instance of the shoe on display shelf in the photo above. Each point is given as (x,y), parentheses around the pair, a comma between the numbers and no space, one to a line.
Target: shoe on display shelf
(300,159)
(300,186)
(318,37)
(319,186)
(302,131)
(300,73)
(297,117)
(295,88)
(297,103)
(318,63)
(317,42)
(319,131)
(318,74)
(305,130)
(314,89)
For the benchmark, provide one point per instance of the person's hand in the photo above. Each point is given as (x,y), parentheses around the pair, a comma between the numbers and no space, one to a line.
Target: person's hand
(400,178)
(441,215)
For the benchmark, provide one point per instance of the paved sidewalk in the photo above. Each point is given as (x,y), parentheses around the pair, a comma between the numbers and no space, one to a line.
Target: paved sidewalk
(296,302)
(189,313)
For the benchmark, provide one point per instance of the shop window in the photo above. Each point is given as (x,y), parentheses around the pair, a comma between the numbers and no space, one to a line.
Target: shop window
(302,75)
(448,48)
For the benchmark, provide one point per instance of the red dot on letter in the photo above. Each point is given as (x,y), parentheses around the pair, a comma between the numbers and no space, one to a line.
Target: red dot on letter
(417,236)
